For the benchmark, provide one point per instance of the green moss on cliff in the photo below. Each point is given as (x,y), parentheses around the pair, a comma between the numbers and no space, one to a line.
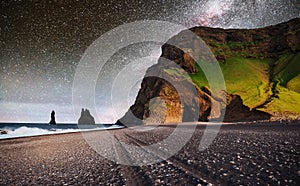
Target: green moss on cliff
(287,68)
(286,101)
(248,78)
(253,80)
(294,84)
(177,73)
(199,78)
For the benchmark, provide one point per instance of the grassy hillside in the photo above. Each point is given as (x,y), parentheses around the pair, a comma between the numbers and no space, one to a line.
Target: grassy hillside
(294,84)
(261,65)
(286,101)
(286,69)
(266,84)
(248,78)
(286,82)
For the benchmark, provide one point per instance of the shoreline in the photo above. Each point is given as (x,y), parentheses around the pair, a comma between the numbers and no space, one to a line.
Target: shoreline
(266,123)
(52,132)
(240,154)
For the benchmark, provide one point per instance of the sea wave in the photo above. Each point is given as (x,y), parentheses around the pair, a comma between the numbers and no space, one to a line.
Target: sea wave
(24,131)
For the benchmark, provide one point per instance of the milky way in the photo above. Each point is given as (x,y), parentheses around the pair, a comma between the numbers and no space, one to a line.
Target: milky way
(42,43)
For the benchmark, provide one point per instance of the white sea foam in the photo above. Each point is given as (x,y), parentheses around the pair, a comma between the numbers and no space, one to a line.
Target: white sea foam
(35,131)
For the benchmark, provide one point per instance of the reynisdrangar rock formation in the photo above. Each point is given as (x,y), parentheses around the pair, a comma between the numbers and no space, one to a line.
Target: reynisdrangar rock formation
(86,117)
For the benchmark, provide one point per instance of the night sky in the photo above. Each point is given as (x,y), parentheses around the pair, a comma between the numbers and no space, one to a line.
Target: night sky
(41,44)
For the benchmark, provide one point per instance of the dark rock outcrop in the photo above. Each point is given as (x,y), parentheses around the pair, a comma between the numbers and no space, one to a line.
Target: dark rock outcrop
(52,121)
(3,132)
(266,42)
(86,117)
(237,111)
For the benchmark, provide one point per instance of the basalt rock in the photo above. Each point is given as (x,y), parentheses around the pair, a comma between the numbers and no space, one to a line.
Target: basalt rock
(3,132)
(237,111)
(86,117)
(52,121)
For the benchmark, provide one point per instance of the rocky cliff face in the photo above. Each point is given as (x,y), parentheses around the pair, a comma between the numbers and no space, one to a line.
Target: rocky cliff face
(237,111)
(267,42)
(158,101)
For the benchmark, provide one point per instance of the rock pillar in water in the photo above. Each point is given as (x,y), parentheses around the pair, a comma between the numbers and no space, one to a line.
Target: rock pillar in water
(86,117)
(52,121)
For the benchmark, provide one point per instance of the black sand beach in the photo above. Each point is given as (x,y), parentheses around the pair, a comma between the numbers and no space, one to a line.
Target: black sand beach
(247,154)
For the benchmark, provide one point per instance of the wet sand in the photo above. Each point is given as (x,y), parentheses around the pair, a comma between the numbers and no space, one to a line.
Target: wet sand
(245,154)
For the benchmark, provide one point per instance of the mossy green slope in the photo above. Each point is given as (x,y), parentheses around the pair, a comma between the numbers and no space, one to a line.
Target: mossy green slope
(287,68)
(286,82)
(269,85)
(261,65)
(294,84)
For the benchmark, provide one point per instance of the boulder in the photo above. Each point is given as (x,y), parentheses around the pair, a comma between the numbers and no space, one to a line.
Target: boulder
(3,132)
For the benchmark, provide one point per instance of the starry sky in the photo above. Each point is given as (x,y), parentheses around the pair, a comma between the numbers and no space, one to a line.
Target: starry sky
(42,42)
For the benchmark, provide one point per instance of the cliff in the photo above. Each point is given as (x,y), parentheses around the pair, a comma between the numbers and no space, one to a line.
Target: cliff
(259,67)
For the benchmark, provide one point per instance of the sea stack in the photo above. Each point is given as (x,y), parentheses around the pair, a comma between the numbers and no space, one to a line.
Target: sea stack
(52,121)
(86,117)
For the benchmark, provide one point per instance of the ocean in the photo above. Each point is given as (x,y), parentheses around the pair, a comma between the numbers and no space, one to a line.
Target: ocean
(15,130)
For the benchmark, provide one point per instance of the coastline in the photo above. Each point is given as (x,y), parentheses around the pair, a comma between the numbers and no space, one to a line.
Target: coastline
(6,136)
(240,154)
(22,130)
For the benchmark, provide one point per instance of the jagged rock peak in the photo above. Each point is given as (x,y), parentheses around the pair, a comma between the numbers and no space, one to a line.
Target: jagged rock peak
(86,117)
